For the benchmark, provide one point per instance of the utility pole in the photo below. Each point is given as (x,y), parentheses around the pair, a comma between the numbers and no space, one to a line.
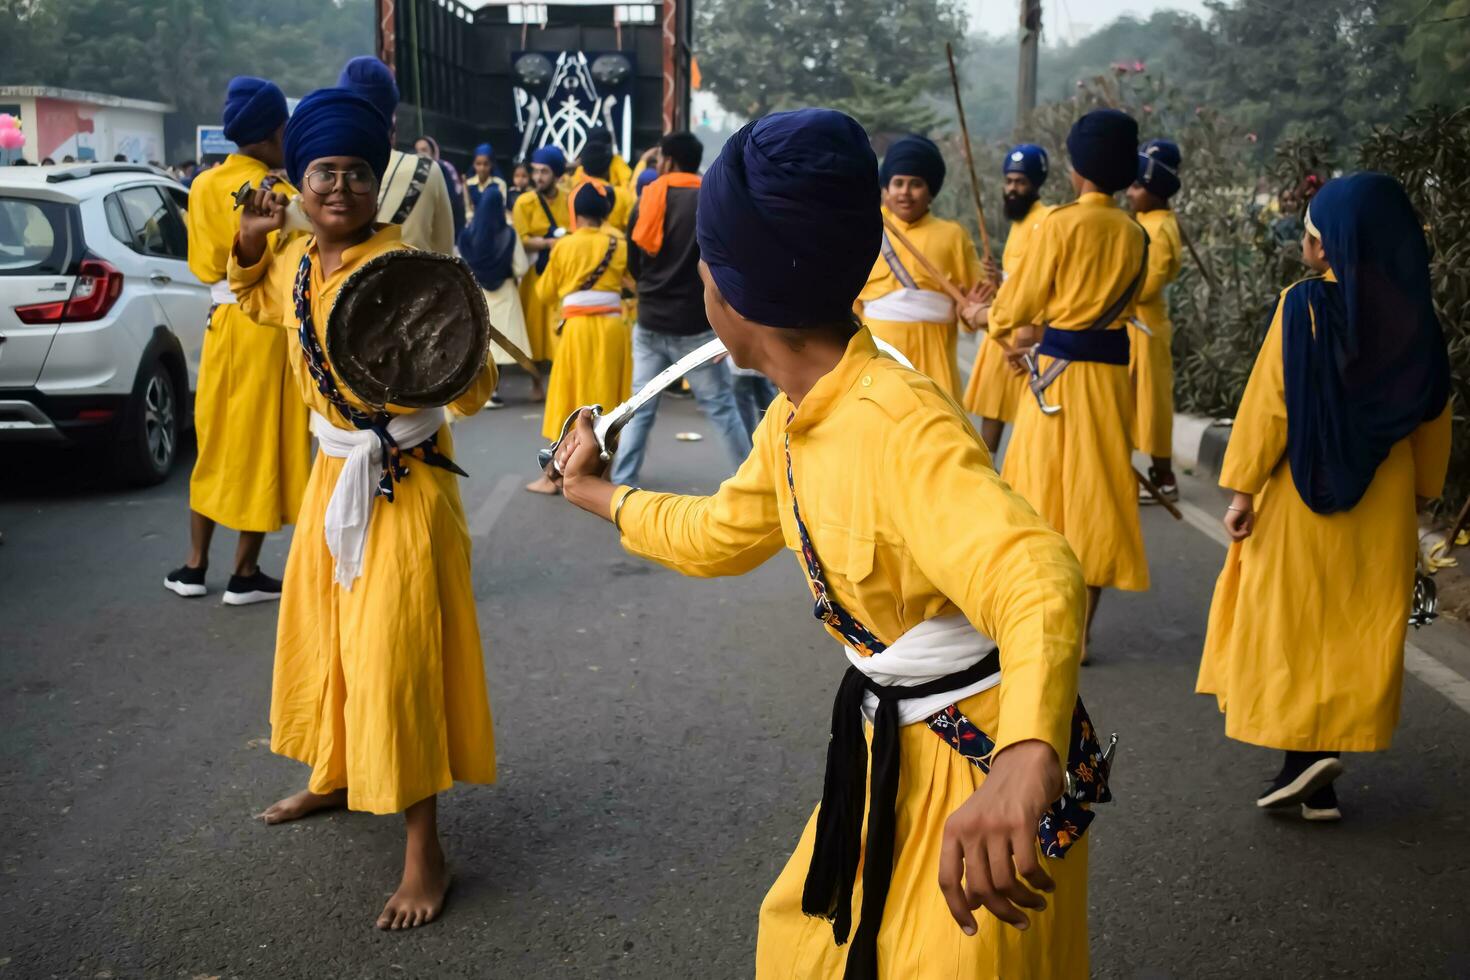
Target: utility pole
(1030,44)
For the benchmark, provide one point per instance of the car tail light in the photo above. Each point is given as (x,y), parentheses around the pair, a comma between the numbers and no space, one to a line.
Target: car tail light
(97,288)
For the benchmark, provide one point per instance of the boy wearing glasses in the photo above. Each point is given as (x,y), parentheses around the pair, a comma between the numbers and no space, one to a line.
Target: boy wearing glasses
(379,682)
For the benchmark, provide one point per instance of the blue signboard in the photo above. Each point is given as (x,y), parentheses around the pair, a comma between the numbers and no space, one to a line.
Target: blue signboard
(210,141)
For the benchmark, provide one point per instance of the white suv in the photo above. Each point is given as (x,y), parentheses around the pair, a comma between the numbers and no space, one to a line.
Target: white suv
(101,321)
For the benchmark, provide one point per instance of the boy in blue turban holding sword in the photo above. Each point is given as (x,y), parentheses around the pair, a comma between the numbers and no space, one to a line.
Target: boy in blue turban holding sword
(915,567)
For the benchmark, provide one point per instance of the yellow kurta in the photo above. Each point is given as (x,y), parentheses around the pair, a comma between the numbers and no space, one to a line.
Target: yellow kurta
(594,360)
(254,443)
(1151,359)
(1075,467)
(380,689)
(1305,646)
(936,536)
(995,390)
(530,221)
(929,346)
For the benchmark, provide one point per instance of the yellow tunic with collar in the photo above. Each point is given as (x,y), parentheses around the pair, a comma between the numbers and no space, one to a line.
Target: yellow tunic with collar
(530,221)
(1151,359)
(380,689)
(936,534)
(995,390)
(1076,467)
(594,357)
(1305,645)
(252,429)
(930,347)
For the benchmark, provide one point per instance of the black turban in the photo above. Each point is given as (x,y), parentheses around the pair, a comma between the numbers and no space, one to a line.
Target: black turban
(1103,146)
(914,156)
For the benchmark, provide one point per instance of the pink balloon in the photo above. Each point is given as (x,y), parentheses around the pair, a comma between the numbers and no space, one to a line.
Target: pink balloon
(7,121)
(12,139)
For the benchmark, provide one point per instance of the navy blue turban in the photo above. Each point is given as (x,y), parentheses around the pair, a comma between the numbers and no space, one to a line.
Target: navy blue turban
(488,245)
(254,108)
(789,219)
(1028,160)
(1103,146)
(487,151)
(646,177)
(335,122)
(593,201)
(914,156)
(1158,167)
(373,80)
(1364,357)
(597,159)
(553,157)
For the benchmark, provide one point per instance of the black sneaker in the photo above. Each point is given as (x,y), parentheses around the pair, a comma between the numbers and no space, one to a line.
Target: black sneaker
(1297,781)
(495,401)
(187,582)
(246,589)
(1321,806)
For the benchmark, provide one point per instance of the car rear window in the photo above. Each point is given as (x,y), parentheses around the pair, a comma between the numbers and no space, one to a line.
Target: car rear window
(35,237)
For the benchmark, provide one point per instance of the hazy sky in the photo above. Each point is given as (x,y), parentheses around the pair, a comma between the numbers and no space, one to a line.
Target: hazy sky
(1067,19)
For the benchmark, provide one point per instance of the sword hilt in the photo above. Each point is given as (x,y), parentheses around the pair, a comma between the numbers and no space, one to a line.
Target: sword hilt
(546,457)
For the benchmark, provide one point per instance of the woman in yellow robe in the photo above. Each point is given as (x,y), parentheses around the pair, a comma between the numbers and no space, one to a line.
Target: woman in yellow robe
(901,549)
(1081,270)
(902,302)
(584,280)
(251,428)
(1151,353)
(379,682)
(1305,646)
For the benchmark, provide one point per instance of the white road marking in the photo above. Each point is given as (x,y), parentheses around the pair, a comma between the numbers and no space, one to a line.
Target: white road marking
(489,512)
(1433,672)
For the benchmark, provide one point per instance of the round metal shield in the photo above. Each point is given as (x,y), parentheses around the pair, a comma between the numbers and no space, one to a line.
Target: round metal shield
(611,69)
(409,328)
(533,69)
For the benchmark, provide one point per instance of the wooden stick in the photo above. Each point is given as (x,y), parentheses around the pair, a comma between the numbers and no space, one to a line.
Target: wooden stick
(949,288)
(516,354)
(1189,244)
(959,107)
(1157,494)
(1459,525)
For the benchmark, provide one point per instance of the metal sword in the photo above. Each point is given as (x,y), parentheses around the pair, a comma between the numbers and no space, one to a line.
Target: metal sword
(605,427)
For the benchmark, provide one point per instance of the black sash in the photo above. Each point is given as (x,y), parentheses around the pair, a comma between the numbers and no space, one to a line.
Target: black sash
(415,190)
(544,255)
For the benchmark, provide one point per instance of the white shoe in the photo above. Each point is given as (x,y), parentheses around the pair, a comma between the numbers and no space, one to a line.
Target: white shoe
(1303,785)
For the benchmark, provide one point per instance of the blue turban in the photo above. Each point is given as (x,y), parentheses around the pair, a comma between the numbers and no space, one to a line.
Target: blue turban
(1028,160)
(593,200)
(1103,146)
(1158,167)
(373,80)
(553,157)
(1364,358)
(914,156)
(254,108)
(645,177)
(335,122)
(788,218)
(485,150)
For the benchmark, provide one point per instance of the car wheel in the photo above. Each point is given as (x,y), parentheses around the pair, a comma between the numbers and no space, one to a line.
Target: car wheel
(149,443)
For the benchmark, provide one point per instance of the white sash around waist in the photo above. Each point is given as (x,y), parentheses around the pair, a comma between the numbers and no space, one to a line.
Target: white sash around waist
(351,504)
(933,649)
(592,297)
(911,306)
(220,294)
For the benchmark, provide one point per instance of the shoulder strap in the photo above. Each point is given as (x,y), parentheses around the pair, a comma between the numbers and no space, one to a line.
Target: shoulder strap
(547,209)
(612,248)
(890,255)
(415,190)
(1116,308)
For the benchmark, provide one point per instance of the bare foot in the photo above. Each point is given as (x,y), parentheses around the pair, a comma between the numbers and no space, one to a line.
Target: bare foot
(543,485)
(420,895)
(298,805)
(538,392)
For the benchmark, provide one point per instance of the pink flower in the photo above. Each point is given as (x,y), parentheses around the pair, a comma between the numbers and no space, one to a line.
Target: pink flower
(1138,66)
(1251,137)
(1148,109)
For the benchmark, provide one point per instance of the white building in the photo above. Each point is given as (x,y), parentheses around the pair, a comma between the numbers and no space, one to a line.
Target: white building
(60,122)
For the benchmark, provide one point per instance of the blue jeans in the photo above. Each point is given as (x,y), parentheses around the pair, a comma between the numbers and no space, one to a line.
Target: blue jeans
(652,352)
(754,394)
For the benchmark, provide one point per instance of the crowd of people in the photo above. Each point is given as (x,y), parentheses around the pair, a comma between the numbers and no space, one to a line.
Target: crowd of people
(963,598)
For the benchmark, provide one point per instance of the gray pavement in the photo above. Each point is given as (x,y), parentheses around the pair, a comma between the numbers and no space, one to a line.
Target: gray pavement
(661,745)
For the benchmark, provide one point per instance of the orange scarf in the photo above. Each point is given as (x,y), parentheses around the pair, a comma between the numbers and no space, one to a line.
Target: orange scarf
(648,234)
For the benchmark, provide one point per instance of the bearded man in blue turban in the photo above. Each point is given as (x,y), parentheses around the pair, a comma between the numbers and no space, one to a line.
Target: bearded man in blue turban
(254,448)
(875,481)
(904,302)
(378,622)
(542,220)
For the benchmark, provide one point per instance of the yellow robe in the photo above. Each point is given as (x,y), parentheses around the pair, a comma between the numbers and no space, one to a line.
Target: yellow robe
(938,535)
(380,689)
(254,443)
(594,360)
(1075,467)
(1151,359)
(995,390)
(529,220)
(929,346)
(1305,645)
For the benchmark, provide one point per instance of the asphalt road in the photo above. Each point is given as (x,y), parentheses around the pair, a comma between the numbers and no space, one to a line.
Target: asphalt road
(661,744)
